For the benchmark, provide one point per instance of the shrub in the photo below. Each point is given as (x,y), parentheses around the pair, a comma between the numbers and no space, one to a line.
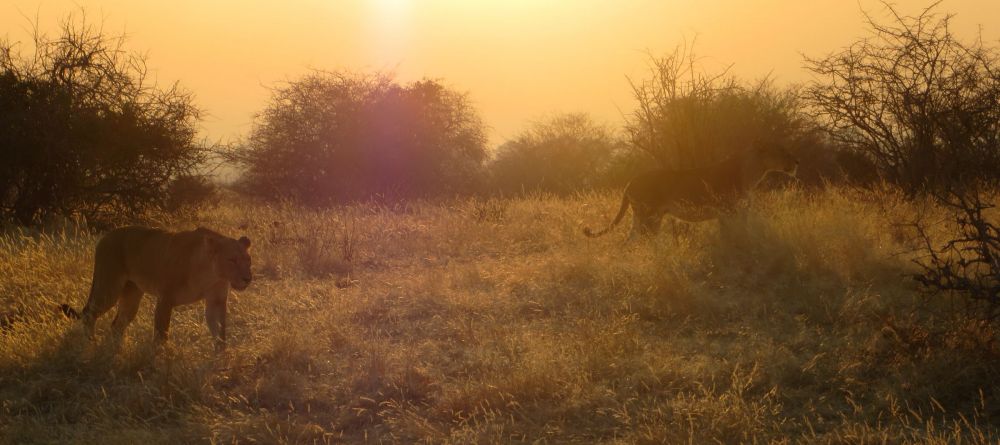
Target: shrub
(561,154)
(190,191)
(83,132)
(334,137)
(687,117)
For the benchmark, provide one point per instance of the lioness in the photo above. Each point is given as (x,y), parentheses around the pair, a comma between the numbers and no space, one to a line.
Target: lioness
(698,194)
(179,268)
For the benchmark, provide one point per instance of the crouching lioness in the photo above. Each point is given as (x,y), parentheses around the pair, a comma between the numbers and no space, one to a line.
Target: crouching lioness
(178,268)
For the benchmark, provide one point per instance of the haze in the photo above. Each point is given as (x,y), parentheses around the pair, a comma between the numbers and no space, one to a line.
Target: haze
(519,60)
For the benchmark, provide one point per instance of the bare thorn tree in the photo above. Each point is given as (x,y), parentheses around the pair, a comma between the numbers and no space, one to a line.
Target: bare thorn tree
(920,103)
(969,263)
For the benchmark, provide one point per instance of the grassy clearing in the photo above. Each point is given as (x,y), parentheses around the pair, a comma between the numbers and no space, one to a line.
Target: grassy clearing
(497,321)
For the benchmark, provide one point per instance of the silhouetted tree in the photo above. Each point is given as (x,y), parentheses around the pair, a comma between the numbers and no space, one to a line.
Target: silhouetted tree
(561,154)
(336,137)
(924,106)
(967,264)
(82,131)
(687,117)
(190,192)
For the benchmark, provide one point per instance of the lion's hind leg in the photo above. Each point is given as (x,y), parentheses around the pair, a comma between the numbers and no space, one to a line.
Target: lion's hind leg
(105,291)
(646,221)
(637,226)
(128,306)
(653,221)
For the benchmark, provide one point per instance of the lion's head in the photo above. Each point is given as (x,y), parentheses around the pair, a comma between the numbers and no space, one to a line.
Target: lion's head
(232,259)
(777,158)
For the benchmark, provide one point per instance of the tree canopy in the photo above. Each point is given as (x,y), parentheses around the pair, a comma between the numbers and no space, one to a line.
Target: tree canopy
(83,131)
(336,137)
(560,154)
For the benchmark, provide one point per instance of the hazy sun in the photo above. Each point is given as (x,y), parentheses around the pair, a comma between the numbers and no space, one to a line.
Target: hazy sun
(390,31)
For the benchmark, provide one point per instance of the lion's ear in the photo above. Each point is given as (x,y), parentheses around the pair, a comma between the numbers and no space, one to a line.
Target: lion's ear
(245,242)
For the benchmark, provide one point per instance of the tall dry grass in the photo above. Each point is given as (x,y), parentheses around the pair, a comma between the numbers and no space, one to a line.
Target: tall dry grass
(497,322)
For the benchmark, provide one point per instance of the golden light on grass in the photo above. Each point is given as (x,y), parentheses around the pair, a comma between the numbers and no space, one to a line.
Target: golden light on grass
(795,325)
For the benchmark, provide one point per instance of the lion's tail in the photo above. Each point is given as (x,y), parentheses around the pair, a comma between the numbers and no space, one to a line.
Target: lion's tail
(68,311)
(618,218)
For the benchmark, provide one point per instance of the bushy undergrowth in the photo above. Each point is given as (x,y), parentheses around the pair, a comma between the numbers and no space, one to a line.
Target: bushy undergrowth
(467,322)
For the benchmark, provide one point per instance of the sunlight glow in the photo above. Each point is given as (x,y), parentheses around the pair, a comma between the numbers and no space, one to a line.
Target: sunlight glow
(389,32)
(518,59)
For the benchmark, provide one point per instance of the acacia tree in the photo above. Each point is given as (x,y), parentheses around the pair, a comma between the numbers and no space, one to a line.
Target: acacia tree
(560,154)
(82,131)
(923,105)
(687,116)
(336,137)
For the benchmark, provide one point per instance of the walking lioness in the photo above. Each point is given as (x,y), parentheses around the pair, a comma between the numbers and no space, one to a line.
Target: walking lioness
(698,194)
(178,268)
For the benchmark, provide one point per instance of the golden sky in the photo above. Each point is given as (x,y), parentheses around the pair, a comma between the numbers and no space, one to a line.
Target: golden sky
(519,59)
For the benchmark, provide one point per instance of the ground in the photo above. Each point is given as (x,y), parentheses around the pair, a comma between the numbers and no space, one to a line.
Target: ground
(497,321)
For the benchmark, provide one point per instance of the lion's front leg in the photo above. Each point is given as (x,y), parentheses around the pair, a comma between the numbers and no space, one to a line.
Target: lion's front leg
(161,319)
(215,316)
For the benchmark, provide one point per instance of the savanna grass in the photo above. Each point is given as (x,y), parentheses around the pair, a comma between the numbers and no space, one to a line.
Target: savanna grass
(478,321)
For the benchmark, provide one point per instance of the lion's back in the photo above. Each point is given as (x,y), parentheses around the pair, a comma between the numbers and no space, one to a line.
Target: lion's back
(144,255)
